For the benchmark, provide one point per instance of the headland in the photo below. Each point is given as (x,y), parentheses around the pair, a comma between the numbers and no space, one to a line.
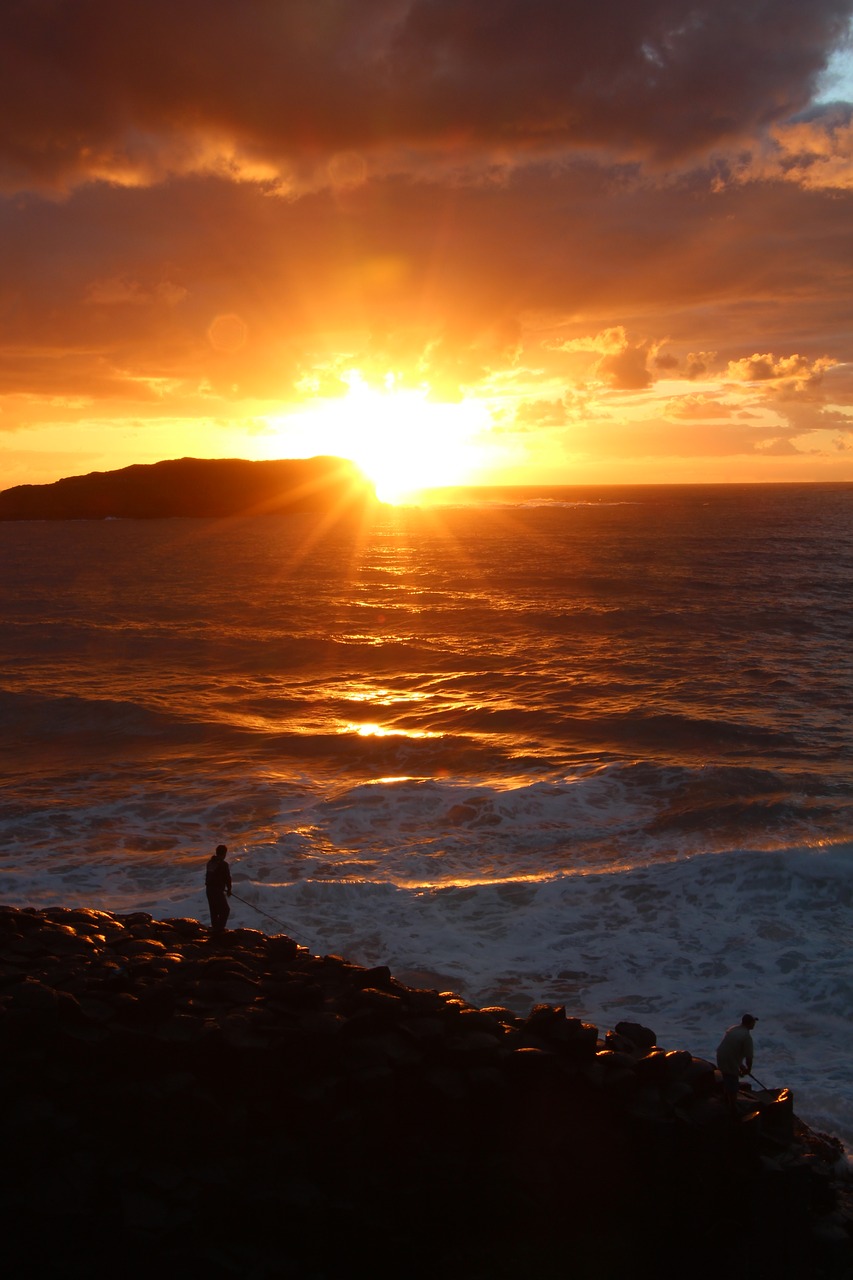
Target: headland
(195,487)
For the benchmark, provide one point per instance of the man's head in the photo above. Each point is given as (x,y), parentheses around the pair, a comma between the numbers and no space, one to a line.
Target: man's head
(221,850)
(748,1021)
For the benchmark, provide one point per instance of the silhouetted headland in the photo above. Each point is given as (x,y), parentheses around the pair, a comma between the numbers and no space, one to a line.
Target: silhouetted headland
(200,487)
(175,1105)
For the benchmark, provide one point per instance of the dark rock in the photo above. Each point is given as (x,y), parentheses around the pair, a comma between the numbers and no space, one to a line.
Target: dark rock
(199,487)
(42,1001)
(483,1020)
(423,1028)
(701,1075)
(776,1111)
(639,1035)
(379,977)
(654,1067)
(503,1015)
(251,1109)
(282,948)
(381,1002)
(617,1043)
(187,928)
(137,947)
(548,1021)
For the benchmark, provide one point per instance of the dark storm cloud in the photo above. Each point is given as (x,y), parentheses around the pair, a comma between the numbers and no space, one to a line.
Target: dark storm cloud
(131,91)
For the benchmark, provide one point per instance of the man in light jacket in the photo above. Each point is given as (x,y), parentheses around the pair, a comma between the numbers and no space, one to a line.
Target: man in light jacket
(734,1057)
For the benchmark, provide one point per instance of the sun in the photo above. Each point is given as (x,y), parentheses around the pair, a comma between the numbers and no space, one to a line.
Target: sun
(401,439)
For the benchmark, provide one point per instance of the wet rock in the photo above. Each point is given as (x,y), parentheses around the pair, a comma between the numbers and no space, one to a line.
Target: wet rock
(776,1110)
(423,1028)
(702,1075)
(502,1015)
(245,1107)
(638,1035)
(548,1021)
(39,1000)
(378,977)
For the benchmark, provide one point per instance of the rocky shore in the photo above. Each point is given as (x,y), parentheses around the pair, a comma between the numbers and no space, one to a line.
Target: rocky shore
(237,1107)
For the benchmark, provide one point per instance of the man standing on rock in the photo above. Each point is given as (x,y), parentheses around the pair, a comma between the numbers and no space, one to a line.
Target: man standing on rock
(217,882)
(734,1057)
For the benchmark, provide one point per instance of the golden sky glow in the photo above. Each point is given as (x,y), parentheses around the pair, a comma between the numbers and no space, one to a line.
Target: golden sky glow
(457,241)
(401,439)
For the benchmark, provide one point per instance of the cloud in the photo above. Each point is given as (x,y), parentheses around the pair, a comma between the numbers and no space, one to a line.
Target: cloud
(540,413)
(803,419)
(628,369)
(699,408)
(790,374)
(208,283)
(658,438)
(321,91)
(561,209)
(778,448)
(119,289)
(624,365)
(695,365)
(813,149)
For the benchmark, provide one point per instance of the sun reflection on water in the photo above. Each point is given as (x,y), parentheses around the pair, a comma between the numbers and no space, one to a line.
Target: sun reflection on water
(372,730)
(383,697)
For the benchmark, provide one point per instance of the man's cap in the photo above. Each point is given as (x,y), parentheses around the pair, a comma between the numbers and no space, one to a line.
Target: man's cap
(748,1017)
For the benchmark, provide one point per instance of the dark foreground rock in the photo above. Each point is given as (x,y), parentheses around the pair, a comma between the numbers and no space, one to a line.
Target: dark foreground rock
(199,487)
(180,1106)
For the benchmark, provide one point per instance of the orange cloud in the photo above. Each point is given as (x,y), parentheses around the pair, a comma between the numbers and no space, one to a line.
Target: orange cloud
(211,220)
(628,369)
(120,289)
(699,408)
(794,372)
(623,365)
(541,413)
(814,149)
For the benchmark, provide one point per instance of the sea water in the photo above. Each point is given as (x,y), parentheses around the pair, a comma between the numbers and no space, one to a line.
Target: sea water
(583,746)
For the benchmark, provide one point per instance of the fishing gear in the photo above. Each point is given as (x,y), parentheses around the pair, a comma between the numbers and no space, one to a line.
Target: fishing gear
(260,913)
(758,1082)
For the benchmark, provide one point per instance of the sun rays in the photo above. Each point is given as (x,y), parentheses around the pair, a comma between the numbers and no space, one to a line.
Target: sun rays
(403,440)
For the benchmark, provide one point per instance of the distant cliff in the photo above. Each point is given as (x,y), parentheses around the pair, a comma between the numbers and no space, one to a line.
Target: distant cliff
(202,487)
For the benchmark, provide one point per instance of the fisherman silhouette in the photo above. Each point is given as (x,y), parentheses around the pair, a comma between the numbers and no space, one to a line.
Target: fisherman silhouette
(217,882)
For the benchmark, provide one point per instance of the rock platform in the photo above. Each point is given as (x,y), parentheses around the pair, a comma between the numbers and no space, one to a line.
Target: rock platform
(184,1105)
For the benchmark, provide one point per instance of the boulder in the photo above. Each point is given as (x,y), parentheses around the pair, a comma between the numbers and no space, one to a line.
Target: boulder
(638,1035)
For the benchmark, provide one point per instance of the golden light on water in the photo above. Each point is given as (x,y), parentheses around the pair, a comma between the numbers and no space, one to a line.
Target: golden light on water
(372,730)
(382,696)
(402,440)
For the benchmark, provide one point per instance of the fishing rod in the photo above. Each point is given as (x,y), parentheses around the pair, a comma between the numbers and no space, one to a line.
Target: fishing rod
(260,913)
(758,1082)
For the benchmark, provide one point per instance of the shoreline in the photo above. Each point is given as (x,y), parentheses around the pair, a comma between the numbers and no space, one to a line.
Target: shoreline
(242,1105)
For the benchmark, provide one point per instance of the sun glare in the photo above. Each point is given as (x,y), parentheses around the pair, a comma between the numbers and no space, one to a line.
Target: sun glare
(401,440)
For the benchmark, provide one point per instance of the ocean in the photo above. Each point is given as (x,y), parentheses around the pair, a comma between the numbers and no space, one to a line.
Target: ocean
(580,746)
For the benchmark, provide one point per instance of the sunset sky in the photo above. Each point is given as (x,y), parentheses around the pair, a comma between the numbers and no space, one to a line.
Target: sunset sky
(540,241)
